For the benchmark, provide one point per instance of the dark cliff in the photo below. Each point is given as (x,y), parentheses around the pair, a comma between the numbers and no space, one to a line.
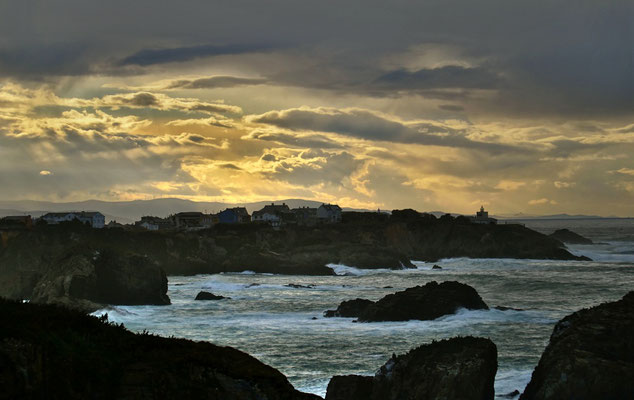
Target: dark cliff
(364,243)
(55,353)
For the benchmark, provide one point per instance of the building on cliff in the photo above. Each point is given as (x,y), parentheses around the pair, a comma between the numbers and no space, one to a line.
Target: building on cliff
(482,217)
(93,218)
(154,223)
(236,215)
(188,219)
(274,214)
(305,216)
(329,213)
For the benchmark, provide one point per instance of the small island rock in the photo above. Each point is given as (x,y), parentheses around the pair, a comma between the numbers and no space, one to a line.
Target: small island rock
(420,302)
(202,295)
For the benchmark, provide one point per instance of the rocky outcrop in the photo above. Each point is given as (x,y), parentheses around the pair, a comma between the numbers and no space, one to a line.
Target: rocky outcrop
(202,295)
(349,308)
(426,302)
(568,236)
(84,279)
(590,356)
(51,352)
(457,368)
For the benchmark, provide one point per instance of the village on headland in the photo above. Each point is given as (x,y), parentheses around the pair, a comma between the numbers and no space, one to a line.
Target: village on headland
(274,215)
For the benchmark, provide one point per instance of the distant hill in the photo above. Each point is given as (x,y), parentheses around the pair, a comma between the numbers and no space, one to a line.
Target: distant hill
(129,211)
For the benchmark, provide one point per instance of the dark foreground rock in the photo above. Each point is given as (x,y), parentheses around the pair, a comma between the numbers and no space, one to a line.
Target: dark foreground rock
(202,295)
(86,280)
(590,355)
(458,368)
(568,236)
(426,302)
(55,353)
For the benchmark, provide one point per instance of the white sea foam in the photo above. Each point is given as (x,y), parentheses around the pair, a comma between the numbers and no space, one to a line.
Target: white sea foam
(509,380)
(619,252)
(344,270)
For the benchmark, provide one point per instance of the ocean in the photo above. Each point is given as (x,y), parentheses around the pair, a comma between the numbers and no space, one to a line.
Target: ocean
(283,326)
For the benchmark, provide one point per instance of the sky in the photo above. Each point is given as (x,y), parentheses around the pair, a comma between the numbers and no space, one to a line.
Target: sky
(523,107)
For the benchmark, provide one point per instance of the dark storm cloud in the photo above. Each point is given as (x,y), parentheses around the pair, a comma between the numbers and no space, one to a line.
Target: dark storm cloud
(179,54)
(450,76)
(214,82)
(541,57)
(39,61)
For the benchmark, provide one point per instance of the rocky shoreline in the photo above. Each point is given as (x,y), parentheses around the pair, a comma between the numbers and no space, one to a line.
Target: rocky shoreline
(54,263)
(53,351)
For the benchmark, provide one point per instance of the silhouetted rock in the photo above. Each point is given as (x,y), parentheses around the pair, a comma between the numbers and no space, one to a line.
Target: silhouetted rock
(590,355)
(457,368)
(349,308)
(568,236)
(52,352)
(202,295)
(436,267)
(424,303)
(87,281)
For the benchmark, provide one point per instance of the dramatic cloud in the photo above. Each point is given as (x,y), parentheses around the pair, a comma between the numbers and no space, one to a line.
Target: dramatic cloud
(450,76)
(431,105)
(365,124)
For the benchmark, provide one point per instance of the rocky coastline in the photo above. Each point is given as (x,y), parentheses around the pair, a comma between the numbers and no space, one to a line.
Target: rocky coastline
(62,353)
(44,257)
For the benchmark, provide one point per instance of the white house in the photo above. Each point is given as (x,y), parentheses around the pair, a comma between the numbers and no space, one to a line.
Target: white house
(93,218)
(329,213)
(271,214)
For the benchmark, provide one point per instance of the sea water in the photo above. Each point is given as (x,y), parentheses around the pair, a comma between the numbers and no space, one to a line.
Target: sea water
(284,327)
